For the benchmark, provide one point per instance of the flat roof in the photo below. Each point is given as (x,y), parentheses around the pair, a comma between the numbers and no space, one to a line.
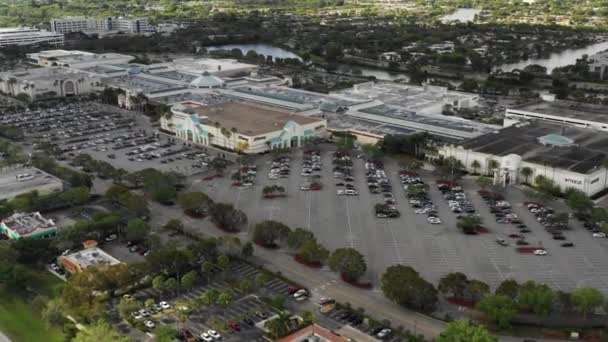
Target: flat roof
(92,256)
(10,186)
(246,118)
(45,74)
(589,152)
(28,223)
(567,109)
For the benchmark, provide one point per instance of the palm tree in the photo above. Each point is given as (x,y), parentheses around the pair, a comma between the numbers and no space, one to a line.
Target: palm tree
(279,326)
(206,269)
(526,172)
(475,165)
(492,165)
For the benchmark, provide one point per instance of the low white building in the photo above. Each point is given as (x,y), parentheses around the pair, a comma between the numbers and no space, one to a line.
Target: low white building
(76,59)
(241,126)
(20,36)
(48,83)
(571,157)
(599,64)
(390,57)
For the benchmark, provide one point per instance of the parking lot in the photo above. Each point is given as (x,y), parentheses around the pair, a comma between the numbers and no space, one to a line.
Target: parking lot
(433,249)
(238,321)
(123,138)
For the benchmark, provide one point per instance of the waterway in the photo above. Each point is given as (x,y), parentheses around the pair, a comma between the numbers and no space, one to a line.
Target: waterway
(462,14)
(260,49)
(557,59)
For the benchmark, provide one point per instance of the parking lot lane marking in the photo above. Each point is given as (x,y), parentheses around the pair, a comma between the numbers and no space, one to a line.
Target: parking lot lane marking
(489,255)
(395,243)
(309,208)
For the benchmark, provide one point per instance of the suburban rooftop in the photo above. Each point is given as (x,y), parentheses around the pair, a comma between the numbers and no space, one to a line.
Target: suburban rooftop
(28,223)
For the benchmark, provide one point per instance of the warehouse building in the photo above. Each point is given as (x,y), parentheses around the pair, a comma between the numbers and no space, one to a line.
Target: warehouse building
(27,226)
(571,156)
(571,113)
(241,126)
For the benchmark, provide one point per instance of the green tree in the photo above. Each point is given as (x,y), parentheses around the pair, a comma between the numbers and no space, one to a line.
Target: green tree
(453,284)
(225,299)
(586,299)
(578,200)
(261,279)
(171,284)
(137,230)
(537,298)
(189,279)
(313,252)
(526,172)
(268,233)
(226,216)
(165,333)
(193,202)
(207,269)
(475,166)
(484,182)
(53,313)
(158,283)
(465,331)
(297,237)
(477,289)
(245,285)
(492,165)
(126,307)
(99,331)
(247,250)
(279,326)
(509,288)
(404,286)
(348,262)
(500,309)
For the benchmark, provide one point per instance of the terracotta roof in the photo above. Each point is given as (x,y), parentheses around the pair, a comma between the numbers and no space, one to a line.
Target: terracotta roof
(314,330)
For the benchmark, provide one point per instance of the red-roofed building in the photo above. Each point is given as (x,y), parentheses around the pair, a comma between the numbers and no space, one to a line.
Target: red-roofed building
(314,332)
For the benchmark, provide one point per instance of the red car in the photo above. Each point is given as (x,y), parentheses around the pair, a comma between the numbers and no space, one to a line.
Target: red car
(292,290)
(234,326)
(208,178)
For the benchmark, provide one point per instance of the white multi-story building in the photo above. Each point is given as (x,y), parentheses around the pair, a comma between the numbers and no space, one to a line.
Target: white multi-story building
(241,126)
(82,24)
(19,36)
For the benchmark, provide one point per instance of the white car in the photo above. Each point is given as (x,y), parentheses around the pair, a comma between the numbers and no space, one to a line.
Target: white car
(305,188)
(214,334)
(164,305)
(384,333)
(301,293)
(540,252)
(340,192)
(433,220)
(136,315)
(206,337)
(149,324)
(111,237)
(599,235)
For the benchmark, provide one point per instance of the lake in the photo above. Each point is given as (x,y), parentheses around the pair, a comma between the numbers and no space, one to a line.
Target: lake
(557,59)
(462,14)
(260,49)
(367,71)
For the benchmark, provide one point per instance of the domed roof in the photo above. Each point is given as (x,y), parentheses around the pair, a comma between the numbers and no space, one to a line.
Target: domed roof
(207,81)
(556,140)
(134,69)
